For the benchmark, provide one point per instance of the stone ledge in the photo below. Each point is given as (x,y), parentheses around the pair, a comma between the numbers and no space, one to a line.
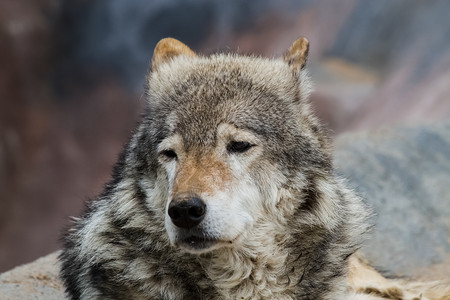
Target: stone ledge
(36,280)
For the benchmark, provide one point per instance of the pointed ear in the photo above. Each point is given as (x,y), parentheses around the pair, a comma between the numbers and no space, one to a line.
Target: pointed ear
(297,54)
(168,48)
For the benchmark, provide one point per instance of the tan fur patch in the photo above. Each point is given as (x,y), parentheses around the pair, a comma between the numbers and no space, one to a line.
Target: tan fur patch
(201,174)
(297,54)
(361,274)
(167,49)
(363,279)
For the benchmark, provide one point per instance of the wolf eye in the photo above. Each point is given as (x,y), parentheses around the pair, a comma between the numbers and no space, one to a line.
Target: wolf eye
(238,147)
(169,154)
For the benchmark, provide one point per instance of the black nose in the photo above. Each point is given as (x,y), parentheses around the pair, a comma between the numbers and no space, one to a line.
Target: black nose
(187,213)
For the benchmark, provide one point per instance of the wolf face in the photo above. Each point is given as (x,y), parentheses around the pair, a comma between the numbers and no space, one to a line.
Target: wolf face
(232,132)
(212,201)
(225,191)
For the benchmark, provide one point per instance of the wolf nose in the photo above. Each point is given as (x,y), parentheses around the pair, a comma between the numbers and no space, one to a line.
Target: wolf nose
(187,213)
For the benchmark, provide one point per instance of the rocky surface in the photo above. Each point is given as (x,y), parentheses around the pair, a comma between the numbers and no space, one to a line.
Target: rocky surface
(403,173)
(37,280)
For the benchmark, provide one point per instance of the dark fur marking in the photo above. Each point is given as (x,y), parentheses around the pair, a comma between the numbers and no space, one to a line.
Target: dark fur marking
(311,196)
(101,279)
(69,269)
(390,293)
(118,223)
(140,196)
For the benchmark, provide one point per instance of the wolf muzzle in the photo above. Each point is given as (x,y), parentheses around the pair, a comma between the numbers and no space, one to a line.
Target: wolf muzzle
(187,212)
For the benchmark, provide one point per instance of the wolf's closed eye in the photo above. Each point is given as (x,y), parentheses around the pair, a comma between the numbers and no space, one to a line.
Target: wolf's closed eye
(170,154)
(239,147)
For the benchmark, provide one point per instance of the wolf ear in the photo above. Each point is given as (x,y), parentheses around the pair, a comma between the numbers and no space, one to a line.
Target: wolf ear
(168,48)
(297,54)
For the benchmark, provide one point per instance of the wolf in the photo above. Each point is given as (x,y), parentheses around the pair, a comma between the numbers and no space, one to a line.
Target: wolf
(226,191)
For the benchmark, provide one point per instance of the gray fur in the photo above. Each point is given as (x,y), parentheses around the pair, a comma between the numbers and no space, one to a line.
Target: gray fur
(305,223)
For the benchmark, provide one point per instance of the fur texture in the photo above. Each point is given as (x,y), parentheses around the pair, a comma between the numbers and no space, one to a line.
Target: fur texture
(234,133)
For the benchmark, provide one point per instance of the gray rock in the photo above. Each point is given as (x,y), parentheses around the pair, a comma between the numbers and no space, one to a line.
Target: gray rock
(404,174)
(37,280)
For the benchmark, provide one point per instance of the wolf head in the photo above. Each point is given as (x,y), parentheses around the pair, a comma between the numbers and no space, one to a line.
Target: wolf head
(233,142)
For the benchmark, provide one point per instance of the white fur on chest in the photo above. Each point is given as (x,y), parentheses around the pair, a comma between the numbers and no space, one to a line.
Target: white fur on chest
(257,270)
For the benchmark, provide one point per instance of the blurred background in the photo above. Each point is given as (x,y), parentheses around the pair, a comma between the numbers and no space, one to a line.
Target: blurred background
(72,79)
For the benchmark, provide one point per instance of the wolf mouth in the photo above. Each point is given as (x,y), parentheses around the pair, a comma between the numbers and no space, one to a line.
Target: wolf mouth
(197,243)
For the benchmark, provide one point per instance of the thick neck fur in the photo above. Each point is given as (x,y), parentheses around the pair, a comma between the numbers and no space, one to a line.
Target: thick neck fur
(275,260)
(258,269)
